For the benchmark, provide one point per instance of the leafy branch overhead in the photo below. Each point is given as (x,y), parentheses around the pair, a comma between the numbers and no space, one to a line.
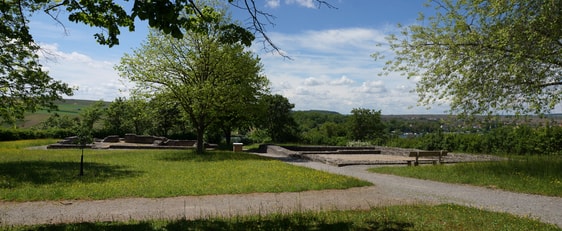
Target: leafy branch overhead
(170,17)
(485,57)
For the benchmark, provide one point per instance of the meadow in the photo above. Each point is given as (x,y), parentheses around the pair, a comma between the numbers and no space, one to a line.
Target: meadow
(38,174)
(33,175)
(541,174)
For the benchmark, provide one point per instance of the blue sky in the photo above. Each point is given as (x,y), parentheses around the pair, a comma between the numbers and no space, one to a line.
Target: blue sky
(331,68)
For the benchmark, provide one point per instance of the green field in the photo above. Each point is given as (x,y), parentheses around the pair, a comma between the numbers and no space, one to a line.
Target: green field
(34,175)
(70,107)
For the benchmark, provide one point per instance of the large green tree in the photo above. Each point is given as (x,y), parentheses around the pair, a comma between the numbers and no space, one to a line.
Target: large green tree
(275,118)
(366,125)
(485,56)
(200,72)
(24,86)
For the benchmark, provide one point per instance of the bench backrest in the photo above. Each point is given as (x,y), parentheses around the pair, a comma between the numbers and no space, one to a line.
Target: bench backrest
(428,153)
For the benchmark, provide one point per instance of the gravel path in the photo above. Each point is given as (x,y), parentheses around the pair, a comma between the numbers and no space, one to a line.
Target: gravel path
(388,190)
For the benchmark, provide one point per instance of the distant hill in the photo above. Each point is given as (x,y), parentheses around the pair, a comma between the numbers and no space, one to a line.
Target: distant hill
(318,111)
(70,107)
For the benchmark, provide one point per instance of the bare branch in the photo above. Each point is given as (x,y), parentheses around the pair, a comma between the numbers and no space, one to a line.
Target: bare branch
(56,17)
(259,20)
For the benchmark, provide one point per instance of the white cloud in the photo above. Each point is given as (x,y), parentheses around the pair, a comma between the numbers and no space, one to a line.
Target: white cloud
(333,70)
(342,81)
(305,3)
(373,87)
(95,79)
(312,82)
(273,3)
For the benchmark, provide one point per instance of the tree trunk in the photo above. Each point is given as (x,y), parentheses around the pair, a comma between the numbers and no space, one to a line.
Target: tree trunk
(227,132)
(82,163)
(200,134)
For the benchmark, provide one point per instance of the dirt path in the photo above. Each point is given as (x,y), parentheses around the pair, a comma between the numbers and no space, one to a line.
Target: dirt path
(387,190)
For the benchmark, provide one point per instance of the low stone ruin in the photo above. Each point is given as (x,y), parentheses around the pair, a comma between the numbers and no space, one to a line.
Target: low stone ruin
(131,141)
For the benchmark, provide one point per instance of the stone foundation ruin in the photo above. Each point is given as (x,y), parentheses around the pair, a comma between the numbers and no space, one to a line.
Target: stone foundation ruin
(130,141)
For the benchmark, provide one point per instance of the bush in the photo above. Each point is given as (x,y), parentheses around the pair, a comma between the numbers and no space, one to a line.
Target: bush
(26,134)
(514,140)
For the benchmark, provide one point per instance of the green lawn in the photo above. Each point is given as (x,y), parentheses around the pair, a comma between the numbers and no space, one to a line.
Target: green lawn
(33,175)
(535,174)
(407,217)
(29,175)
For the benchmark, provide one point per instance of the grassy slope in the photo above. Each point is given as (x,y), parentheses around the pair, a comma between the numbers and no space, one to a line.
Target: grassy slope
(70,107)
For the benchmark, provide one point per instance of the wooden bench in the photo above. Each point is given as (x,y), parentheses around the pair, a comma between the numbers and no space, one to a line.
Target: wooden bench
(418,154)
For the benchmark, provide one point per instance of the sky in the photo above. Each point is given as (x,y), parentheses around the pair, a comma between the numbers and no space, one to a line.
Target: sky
(330,66)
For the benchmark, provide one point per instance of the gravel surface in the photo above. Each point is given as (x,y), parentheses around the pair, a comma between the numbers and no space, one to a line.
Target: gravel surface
(388,190)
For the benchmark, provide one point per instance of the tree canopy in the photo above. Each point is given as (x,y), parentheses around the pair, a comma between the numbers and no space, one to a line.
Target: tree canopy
(485,56)
(200,72)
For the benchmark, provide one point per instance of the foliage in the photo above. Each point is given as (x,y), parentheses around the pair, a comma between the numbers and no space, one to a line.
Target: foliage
(24,134)
(59,121)
(401,217)
(537,175)
(365,124)
(92,114)
(118,117)
(205,76)
(321,127)
(24,86)
(512,140)
(484,57)
(166,116)
(50,175)
(275,118)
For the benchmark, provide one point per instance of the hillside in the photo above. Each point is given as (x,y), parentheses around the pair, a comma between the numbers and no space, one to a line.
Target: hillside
(70,107)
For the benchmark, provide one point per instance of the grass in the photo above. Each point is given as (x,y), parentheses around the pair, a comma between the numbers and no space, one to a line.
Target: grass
(20,144)
(34,175)
(533,174)
(405,217)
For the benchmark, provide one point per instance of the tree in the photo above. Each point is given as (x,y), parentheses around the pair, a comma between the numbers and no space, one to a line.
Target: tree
(276,118)
(91,114)
(365,124)
(24,86)
(199,72)
(165,115)
(59,121)
(117,117)
(485,57)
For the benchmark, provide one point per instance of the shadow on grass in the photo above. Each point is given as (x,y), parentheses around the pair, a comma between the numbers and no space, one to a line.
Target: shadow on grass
(539,167)
(286,223)
(210,156)
(13,174)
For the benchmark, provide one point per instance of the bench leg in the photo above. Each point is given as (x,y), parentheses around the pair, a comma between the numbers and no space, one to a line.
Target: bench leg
(416,163)
(409,162)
